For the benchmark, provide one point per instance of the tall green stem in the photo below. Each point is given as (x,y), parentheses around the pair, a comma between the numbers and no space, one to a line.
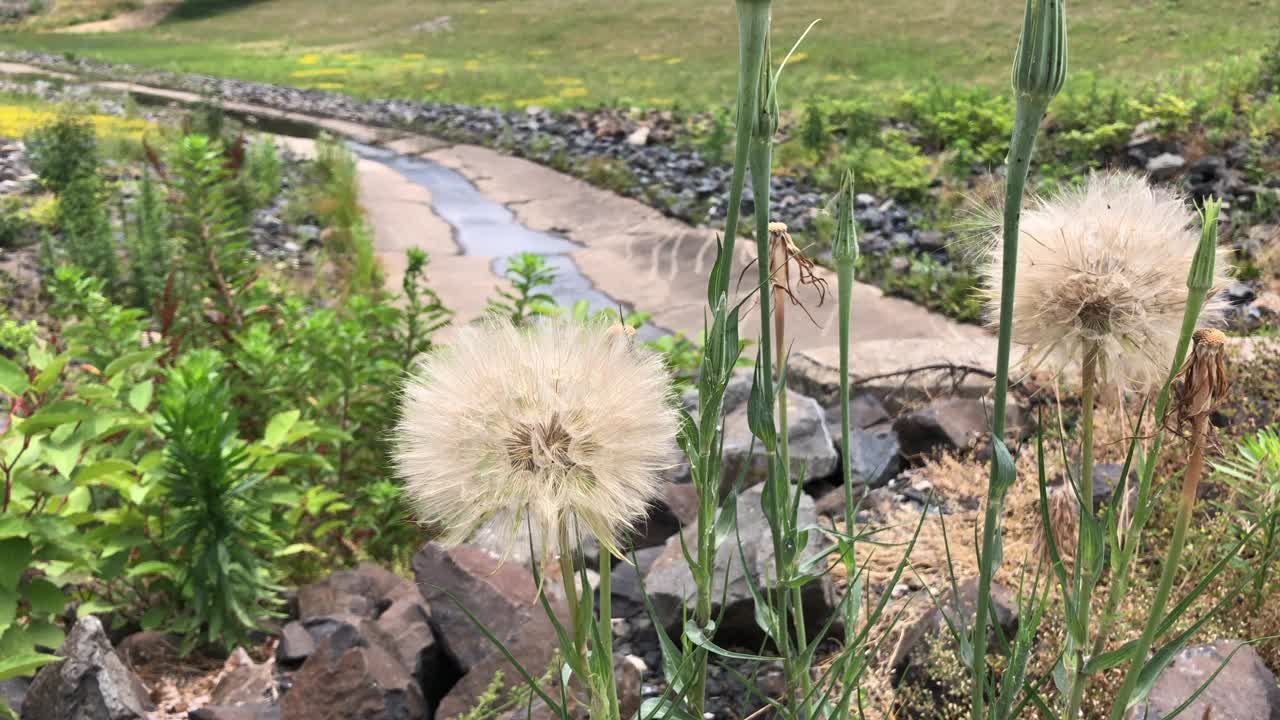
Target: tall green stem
(1030,111)
(607,696)
(1084,597)
(753,32)
(1156,616)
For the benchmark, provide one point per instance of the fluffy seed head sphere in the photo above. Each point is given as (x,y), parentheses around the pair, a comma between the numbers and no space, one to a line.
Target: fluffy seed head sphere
(561,425)
(1104,265)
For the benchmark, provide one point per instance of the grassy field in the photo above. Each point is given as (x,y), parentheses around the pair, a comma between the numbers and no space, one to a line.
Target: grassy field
(562,53)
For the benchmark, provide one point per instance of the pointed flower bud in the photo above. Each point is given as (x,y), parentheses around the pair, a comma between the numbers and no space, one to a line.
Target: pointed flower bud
(1040,67)
(844,248)
(1201,278)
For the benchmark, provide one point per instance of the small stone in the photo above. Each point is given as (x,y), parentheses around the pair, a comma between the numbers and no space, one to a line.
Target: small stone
(639,137)
(1165,166)
(256,711)
(913,639)
(629,671)
(296,645)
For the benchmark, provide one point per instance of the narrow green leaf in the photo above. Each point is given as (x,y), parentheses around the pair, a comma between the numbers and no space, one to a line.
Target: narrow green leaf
(49,375)
(102,468)
(699,638)
(140,395)
(124,362)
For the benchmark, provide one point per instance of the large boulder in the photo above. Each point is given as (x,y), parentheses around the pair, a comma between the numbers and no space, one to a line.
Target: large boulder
(92,683)
(355,674)
(1244,690)
(502,596)
(244,681)
(357,592)
(671,589)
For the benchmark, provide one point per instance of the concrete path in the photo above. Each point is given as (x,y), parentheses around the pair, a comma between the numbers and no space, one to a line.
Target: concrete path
(629,251)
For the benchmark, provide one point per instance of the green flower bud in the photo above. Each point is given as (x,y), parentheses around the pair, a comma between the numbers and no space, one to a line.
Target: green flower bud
(844,248)
(1040,67)
(1202,266)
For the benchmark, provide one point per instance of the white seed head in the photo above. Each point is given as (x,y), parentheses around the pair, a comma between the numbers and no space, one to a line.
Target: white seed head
(1104,265)
(556,426)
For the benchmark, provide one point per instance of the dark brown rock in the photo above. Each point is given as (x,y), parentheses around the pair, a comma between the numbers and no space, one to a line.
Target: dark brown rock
(92,683)
(407,624)
(501,596)
(356,592)
(247,682)
(296,645)
(354,674)
(1244,690)
(257,711)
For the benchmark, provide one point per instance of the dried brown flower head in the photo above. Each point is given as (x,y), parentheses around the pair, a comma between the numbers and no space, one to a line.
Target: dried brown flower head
(1203,378)
(1064,521)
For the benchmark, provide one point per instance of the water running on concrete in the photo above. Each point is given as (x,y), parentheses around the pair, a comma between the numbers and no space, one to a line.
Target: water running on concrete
(487,228)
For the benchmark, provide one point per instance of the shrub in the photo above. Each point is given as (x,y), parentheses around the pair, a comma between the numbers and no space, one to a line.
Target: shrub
(87,240)
(17,227)
(63,151)
(263,172)
(150,252)
(529,276)
(220,523)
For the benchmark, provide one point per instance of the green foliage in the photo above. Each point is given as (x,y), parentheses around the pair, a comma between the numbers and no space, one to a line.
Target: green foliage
(886,162)
(972,125)
(715,143)
(529,275)
(814,132)
(149,246)
(951,289)
(1253,502)
(220,522)
(86,239)
(335,199)
(425,313)
(212,251)
(63,151)
(17,227)
(263,172)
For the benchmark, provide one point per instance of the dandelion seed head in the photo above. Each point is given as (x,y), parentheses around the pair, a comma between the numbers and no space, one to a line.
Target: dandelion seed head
(1104,265)
(534,429)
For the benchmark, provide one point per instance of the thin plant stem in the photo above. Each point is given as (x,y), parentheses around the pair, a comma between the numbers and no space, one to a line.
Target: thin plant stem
(610,709)
(568,578)
(1084,584)
(1155,617)
(753,31)
(1133,537)
(1030,111)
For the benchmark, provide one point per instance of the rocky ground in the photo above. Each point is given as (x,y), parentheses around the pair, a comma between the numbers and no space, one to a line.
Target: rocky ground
(366,643)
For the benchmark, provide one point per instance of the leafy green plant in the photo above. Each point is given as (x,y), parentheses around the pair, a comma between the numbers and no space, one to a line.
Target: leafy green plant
(17,227)
(220,523)
(212,249)
(336,201)
(149,246)
(425,313)
(87,240)
(529,276)
(63,151)
(814,131)
(1253,479)
(262,172)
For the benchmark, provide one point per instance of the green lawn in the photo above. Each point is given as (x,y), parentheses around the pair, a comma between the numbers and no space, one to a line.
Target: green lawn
(651,52)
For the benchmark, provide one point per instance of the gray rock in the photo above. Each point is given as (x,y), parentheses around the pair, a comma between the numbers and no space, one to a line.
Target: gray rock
(1165,166)
(357,592)
(672,591)
(1244,690)
(13,691)
(951,424)
(628,595)
(92,683)
(354,674)
(874,456)
(812,450)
